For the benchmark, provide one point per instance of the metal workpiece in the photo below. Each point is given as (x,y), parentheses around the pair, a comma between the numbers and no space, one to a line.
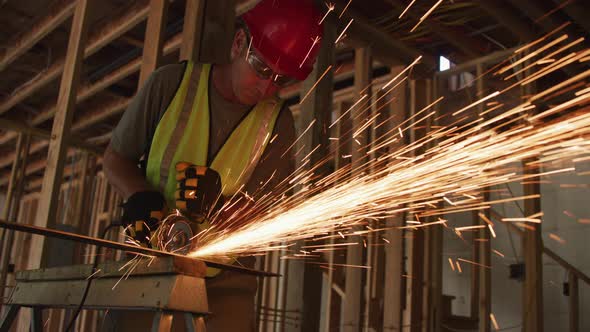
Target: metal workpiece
(125,247)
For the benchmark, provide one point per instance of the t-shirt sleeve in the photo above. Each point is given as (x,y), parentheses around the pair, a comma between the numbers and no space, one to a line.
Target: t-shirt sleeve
(132,136)
(276,159)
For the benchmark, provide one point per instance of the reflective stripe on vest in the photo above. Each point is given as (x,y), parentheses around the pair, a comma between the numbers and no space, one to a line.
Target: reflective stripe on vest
(183,135)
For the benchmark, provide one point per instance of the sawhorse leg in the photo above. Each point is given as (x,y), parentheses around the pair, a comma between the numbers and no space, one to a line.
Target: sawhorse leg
(194,323)
(162,322)
(9,317)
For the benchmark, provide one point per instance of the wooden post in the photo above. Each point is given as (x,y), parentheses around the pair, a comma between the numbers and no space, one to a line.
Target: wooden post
(61,126)
(12,205)
(305,280)
(436,245)
(574,302)
(154,39)
(354,254)
(318,106)
(416,247)
(217,31)
(192,30)
(484,246)
(533,244)
(393,292)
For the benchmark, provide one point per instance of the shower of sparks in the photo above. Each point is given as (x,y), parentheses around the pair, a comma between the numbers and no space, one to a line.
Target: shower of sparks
(315,41)
(249,48)
(330,9)
(556,238)
(345,8)
(451,264)
(498,253)
(343,31)
(493,318)
(453,164)
(407,8)
(426,15)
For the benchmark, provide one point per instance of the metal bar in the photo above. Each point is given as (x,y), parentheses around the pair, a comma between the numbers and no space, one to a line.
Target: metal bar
(122,246)
(8,319)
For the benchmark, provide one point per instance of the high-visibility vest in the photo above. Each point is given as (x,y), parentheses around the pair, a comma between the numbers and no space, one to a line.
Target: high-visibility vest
(183,135)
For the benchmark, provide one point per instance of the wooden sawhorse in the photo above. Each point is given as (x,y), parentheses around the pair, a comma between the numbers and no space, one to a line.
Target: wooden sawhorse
(164,286)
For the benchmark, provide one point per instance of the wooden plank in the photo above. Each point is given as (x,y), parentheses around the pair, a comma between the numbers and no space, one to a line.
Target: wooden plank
(509,19)
(318,106)
(10,202)
(58,13)
(574,303)
(97,40)
(154,39)
(192,29)
(485,249)
(386,48)
(393,293)
(533,251)
(66,103)
(217,31)
(354,254)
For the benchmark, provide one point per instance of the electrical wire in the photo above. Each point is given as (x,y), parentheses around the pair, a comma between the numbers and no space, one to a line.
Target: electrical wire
(89,282)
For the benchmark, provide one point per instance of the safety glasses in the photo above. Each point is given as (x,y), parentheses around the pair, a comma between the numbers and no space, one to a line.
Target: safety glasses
(263,71)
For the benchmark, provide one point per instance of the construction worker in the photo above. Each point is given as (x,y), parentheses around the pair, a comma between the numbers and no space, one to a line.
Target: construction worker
(206,129)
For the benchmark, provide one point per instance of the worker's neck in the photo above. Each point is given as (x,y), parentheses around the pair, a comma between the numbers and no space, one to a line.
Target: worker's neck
(222,83)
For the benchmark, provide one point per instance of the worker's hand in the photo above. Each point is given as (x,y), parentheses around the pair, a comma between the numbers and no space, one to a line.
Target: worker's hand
(142,213)
(198,193)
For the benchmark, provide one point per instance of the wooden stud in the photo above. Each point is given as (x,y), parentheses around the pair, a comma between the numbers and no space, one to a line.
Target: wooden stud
(13,205)
(217,32)
(394,291)
(61,125)
(318,106)
(192,30)
(154,39)
(354,254)
(485,253)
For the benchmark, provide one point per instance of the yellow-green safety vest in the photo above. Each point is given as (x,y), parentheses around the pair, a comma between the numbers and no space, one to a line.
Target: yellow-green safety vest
(182,135)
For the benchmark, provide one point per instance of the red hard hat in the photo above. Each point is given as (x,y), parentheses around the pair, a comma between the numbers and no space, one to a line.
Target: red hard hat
(283,33)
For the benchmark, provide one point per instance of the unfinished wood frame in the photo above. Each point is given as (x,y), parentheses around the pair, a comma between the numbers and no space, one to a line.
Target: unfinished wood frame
(154,39)
(63,120)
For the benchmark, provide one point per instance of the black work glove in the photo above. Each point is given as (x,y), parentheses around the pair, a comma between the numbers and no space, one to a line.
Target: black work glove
(142,214)
(198,193)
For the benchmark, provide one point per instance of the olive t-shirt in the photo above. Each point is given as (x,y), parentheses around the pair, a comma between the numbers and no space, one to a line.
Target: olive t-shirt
(133,135)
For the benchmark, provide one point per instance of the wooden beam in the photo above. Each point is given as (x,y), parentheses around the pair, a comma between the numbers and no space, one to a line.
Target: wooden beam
(468,45)
(98,39)
(318,106)
(508,19)
(533,250)
(60,12)
(385,48)
(24,128)
(47,209)
(393,292)
(90,89)
(217,32)
(192,29)
(354,254)
(154,39)
(484,247)
(13,199)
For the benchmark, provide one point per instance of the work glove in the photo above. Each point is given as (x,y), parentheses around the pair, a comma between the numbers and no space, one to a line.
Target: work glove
(142,214)
(198,192)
